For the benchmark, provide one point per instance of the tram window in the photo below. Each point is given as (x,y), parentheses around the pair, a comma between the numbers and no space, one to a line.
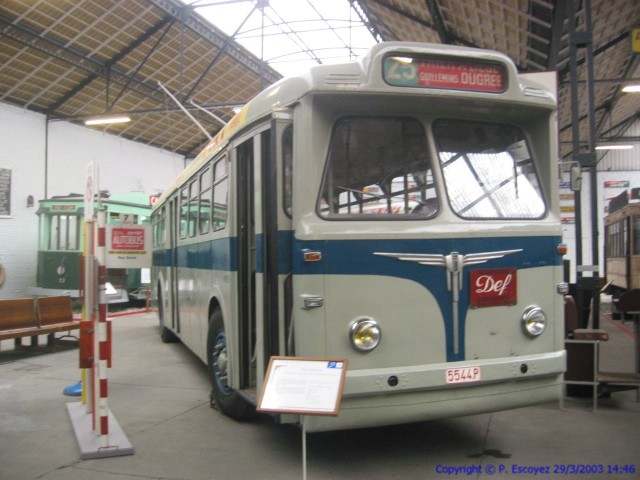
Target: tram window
(488,170)
(617,239)
(220,193)
(184,212)
(636,235)
(378,167)
(64,232)
(204,206)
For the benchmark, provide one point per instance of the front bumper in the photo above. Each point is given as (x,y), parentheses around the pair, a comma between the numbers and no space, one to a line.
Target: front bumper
(422,392)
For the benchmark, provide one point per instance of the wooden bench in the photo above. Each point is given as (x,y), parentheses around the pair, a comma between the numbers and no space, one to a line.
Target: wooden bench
(18,319)
(31,317)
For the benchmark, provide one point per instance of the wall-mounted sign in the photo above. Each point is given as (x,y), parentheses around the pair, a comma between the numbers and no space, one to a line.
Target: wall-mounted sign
(635,40)
(128,246)
(5,192)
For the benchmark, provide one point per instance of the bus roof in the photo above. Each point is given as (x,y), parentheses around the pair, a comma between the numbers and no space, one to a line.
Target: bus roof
(363,75)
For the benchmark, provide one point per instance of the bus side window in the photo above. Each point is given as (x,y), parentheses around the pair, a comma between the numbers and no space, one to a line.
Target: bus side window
(220,193)
(184,212)
(159,227)
(162,233)
(193,207)
(204,206)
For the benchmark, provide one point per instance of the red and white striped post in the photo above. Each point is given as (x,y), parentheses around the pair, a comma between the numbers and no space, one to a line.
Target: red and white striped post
(101,329)
(107,440)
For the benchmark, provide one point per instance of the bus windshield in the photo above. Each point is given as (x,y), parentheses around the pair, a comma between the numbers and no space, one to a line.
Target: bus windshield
(488,170)
(378,167)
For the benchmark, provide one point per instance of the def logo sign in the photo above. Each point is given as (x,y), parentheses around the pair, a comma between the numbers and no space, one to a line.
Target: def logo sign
(494,287)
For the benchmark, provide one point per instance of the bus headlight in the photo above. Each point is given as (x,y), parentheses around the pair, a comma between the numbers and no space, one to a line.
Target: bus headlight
(534,321)
(365,334)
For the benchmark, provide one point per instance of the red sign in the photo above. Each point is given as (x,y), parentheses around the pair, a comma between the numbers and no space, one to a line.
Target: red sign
(127,239)
(493,287)
(440,74)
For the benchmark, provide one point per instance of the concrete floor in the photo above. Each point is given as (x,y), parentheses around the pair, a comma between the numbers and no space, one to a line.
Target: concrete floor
(159,394)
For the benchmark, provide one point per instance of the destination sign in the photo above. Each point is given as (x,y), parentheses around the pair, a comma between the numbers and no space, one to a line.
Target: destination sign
(452,74)
(64,208)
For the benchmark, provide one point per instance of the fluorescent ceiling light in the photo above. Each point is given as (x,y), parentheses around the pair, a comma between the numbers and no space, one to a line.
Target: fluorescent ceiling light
(106,119)
(619,146)
(631,88)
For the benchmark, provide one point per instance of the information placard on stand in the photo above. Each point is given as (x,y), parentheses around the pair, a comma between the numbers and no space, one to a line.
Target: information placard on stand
(307,386)
(304,386)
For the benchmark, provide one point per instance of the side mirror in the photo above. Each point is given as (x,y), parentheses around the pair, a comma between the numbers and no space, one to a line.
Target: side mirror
(576,178)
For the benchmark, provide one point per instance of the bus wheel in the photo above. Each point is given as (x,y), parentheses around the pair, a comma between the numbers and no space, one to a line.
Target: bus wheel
(230,402)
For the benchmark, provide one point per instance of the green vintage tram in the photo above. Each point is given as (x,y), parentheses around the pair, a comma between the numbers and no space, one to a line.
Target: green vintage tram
(61,244)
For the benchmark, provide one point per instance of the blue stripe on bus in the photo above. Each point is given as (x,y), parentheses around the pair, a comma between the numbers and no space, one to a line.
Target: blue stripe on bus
(220,254)
(356,257)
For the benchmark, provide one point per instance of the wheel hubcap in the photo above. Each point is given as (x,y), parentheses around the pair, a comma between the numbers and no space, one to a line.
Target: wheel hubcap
(221,364)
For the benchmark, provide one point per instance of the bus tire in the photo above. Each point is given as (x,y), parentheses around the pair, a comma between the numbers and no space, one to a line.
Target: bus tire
(230,402)
(166,335)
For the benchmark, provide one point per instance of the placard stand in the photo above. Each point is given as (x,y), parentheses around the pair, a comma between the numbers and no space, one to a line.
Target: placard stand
(304,447)
(304,386)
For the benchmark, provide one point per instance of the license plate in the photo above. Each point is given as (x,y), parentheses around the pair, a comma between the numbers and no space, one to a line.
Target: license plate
(462,375)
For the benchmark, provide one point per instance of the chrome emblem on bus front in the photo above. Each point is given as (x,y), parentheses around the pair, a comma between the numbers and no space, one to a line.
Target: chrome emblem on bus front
(454,263)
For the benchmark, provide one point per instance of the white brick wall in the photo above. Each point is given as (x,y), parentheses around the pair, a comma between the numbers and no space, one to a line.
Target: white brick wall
(125,166)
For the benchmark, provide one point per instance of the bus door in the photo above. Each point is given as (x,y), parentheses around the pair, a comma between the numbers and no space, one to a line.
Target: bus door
(173,270)
(260,292)
(246,261)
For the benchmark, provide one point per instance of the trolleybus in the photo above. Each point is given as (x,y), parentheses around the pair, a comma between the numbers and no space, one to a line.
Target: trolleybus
(400,212)
(61,244)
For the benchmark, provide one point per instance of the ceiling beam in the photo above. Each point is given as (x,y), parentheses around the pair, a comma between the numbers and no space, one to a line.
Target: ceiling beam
(221,52)
(186,15)
(365,16)
(53,47)
(440,27)
(452,38)
(109,64)
(557,29)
